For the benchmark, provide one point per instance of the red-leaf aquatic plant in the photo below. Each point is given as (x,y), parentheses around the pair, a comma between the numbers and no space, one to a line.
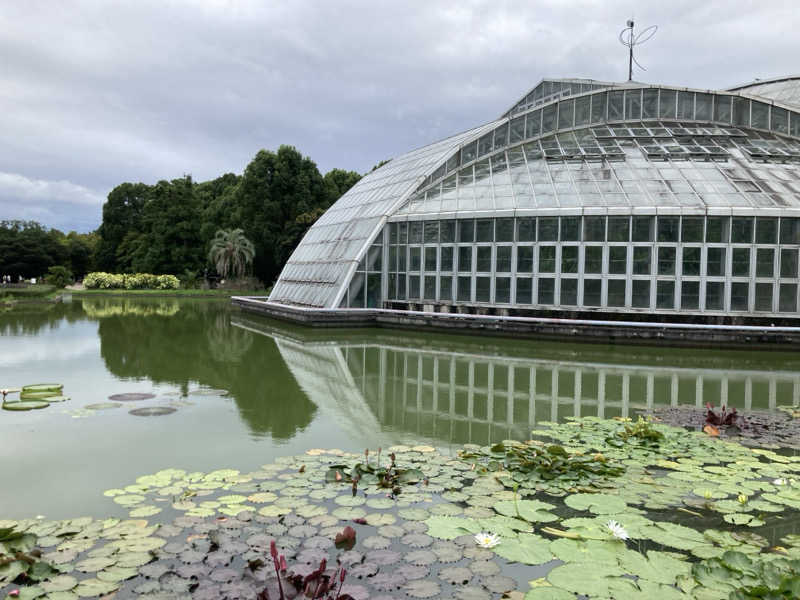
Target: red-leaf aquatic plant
(725,417)
(320,584)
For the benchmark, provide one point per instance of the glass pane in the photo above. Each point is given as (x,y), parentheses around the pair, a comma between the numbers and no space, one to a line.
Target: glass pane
(570,229)
(789,262)
(402,233)
(430,259)
(740,295)
(503,263)
(413,287)
(431,232)
(415,258)
(766,231)
(594,229)
(446,289)
(466,230)
(787,301)
(483,289)
(765,262)
(641,260)
(548,229)
(569,292)
(566,114)
(569,259)
(599,107)
(465,258)
(615,106)
(505,230)
(740,266)
(668,229)
(742,230)
(790,230)
(524,289)
(484,259)
(356,292)
(618,260)
(640,293)
(715,295)
(722,109)
(690,295)
(546,291)
(464,289)
(446,258)
(592,292)
(502,290)
(666,261)
(547,259)
(484,230)
(764,297)
(593,259)
(665,294)
(715,263)
(525,259)
(692,229)
(448,231)
(691,261)
(375,258)
(650,104)
(667,105)
(643,229)
(430,287)
(618,229)
(717,230)
(526,229)
(616,292)
(415,232)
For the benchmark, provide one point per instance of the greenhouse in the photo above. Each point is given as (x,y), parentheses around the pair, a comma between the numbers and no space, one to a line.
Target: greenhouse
(585,197)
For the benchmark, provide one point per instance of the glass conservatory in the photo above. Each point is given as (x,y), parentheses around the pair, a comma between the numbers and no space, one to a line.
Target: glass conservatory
(584,197)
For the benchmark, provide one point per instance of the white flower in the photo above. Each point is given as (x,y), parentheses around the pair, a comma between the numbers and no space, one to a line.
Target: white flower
(487,540)
(781,481)
(617,530)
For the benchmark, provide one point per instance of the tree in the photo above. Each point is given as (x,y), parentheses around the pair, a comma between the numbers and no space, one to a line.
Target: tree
(231,252)
(338,181)
(122,215)
(276,188)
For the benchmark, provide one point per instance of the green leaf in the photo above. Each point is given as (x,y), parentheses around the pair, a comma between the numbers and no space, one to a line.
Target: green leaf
(527,549)
(533,511)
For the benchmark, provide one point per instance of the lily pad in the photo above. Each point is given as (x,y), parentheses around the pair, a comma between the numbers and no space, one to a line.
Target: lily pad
(131,397)
(152,411)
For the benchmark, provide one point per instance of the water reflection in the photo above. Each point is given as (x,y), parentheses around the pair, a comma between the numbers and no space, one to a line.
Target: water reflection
(456,390)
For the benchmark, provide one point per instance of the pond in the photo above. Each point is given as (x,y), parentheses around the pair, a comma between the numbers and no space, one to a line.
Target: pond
(242,391)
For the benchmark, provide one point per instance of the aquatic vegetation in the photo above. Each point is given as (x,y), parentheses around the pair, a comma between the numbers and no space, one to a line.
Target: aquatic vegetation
(756,428)
(152,411)
(390,476)
(33,397)
(678,518)
(536,465)
(20,560)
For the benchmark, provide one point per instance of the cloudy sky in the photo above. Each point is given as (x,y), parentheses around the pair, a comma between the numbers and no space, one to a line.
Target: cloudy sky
(94,93)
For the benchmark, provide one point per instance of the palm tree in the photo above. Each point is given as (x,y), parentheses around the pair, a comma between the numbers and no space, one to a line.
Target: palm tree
(231,252)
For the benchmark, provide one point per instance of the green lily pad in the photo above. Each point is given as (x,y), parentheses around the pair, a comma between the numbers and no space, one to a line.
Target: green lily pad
(527,549)
(599,504)
(26,405)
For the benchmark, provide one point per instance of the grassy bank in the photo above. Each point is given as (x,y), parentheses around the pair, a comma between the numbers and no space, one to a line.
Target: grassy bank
(217,293)
(33,293)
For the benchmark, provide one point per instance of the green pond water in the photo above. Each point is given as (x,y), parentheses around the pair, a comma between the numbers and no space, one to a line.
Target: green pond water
(247,390)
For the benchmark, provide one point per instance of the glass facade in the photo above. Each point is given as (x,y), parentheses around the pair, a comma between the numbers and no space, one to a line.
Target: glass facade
(584,196)
(669,263)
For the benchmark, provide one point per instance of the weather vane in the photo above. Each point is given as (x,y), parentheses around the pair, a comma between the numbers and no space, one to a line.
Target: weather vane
(627,38)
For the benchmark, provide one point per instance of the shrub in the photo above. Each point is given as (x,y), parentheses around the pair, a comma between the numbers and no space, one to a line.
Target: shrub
(58,276)
(130,281)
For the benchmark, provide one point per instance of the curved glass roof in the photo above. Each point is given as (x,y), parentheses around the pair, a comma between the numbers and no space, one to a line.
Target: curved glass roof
(317,272)
(610,147)
(781,89)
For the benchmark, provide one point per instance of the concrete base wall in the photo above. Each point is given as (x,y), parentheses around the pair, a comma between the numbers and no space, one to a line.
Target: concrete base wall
(599,331)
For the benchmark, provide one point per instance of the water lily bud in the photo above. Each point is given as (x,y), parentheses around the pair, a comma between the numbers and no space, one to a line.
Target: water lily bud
(273,549)
(742,499)
(283,563)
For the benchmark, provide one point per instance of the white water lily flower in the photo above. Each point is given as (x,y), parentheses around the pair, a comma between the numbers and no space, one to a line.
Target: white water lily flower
(781,481)
(617,530)
(487,540)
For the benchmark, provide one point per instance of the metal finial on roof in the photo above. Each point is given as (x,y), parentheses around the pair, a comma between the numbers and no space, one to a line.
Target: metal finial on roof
(627,38)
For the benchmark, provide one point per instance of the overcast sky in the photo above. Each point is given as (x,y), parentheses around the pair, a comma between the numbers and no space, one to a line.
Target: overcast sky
(95,93)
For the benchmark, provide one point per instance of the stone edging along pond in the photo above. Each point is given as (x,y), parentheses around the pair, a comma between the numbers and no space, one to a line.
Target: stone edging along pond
(562,329)
(597,508)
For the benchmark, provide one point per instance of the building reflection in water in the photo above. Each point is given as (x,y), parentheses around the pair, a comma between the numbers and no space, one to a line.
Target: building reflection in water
(462,393)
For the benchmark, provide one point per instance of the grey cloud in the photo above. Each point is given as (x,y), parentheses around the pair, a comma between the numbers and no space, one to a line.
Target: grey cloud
(96,93)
